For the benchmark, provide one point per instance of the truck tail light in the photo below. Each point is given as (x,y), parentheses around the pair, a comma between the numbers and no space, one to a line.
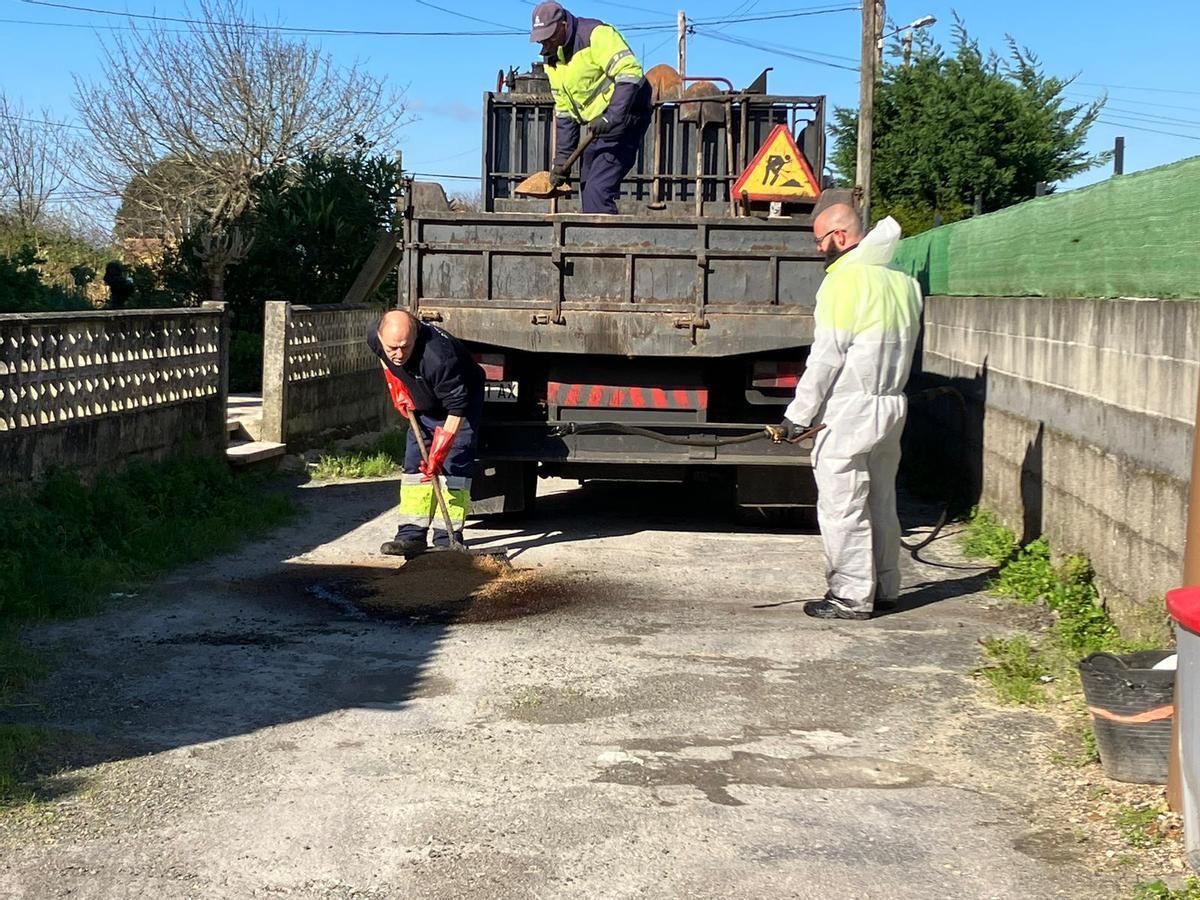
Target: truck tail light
(493,365)
(772,374)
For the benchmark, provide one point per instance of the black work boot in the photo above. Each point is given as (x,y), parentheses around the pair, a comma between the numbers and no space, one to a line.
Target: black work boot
(885,604)
(833,608)
(412,546)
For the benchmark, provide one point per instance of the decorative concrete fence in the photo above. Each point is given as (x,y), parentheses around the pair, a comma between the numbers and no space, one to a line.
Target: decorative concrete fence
(93,391)
(319,377)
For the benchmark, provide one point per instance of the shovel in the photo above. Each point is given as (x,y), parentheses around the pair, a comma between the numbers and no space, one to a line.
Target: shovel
(538,184)
(455,543)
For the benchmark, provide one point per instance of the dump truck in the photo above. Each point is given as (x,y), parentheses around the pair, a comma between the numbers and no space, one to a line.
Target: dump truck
(685,318)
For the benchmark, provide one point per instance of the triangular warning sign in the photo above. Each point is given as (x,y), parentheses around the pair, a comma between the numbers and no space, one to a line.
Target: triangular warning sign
(778,171)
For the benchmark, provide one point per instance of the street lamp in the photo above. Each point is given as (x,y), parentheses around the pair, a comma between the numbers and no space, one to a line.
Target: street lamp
(923,22)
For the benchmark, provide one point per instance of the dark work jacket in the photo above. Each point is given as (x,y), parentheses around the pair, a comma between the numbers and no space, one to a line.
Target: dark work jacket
(441,376)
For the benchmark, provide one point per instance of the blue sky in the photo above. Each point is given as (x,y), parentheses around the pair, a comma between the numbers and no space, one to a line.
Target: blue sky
(1147,58)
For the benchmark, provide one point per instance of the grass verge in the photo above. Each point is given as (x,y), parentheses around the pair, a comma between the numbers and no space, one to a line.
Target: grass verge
(1028,670)
(67,546)
(384,458)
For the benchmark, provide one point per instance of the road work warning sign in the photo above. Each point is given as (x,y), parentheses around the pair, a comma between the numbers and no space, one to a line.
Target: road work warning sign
(778,171)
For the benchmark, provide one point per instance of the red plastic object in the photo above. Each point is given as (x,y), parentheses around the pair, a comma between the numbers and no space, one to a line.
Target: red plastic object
(1184,606)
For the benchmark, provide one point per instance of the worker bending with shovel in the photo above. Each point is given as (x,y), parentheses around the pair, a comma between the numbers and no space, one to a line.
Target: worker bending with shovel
(598,85)
(438,387)
(868,315)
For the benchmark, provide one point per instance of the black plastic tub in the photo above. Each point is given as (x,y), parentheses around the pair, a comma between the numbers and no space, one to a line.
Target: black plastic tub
(1132,707)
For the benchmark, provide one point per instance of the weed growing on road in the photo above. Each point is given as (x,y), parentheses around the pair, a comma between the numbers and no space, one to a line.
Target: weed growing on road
(1017,672)
(987,538)
(1159,890)
(383,459)
(1139,826)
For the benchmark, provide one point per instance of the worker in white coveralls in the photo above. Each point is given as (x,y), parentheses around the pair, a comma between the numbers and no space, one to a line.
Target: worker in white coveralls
(867,318)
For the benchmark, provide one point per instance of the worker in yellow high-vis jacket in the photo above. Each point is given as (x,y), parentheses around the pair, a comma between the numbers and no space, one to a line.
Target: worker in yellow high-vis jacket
(597,84)
(868,315)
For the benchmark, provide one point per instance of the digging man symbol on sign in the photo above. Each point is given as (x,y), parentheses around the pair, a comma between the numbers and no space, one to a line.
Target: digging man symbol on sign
(775,164)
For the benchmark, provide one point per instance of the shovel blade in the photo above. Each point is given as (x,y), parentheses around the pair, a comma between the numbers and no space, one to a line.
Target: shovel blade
(538,185)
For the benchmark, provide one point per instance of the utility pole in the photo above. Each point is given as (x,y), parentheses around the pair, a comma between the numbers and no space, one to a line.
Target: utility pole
(1119,156)
(869,54)
(908,39)
(682,43)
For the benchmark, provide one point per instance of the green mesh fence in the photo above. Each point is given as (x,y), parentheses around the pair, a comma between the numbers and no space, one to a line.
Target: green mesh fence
(1131,236)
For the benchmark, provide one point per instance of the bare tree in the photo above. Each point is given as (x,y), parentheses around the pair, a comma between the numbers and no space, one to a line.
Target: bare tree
(466,201)
(189,116)
(33,159)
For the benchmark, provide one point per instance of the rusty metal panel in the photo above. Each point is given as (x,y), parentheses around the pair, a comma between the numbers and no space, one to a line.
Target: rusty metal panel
(799,280)
(523,277)
(595,279)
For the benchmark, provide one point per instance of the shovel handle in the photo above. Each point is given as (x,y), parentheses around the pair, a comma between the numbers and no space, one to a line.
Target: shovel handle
(437,481)
(578,151)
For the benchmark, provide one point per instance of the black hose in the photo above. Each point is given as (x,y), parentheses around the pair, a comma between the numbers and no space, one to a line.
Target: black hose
(930,394)
(568,428)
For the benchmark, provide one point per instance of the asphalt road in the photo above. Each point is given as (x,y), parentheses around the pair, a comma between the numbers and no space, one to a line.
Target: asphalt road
(647,713)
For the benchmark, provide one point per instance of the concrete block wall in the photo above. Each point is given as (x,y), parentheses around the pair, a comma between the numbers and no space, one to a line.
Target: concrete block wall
(1082,425)
(319,377)
(94,391)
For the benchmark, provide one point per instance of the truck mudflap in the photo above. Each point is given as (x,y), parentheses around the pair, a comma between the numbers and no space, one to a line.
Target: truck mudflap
(707,443)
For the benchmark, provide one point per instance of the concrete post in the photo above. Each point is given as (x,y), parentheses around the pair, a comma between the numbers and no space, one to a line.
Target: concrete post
(223,342)
(277,316)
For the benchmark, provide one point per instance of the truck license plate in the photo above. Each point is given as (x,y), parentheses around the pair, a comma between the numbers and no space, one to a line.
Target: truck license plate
(500,392)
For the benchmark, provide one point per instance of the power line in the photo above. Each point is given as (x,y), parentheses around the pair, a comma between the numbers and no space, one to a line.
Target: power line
(784,49)
(43,122)
(281,28)
(1137,100)
(289,29)
(1135,114)
(82,25)
(741,42)
(1111,124)
(461,15)
(449,177)
(1125,87)
(794,14)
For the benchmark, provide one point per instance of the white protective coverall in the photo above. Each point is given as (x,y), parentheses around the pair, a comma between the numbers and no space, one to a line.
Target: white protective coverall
(868,316)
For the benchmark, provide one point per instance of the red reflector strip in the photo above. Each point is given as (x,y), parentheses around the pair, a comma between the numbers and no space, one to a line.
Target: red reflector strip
(779,381)
(492,365)
(776,374)
(603,396)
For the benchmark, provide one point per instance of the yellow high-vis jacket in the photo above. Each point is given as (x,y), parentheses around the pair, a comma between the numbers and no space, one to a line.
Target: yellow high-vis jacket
(588,69)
